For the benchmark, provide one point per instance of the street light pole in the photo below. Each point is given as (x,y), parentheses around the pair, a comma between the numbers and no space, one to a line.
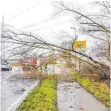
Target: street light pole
(74,41)
(75,30)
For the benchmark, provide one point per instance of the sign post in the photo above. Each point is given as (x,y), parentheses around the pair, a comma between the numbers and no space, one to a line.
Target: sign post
(79,45)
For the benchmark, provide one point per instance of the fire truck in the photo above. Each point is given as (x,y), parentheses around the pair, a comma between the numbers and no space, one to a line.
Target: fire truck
(28,63)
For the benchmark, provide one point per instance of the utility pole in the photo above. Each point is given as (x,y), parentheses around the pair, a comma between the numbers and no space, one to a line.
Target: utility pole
(2,40)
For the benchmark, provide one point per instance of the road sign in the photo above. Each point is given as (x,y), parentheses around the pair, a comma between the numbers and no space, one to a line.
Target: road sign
(79,44)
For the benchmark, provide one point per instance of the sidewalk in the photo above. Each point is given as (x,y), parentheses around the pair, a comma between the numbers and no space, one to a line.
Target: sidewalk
(72,97)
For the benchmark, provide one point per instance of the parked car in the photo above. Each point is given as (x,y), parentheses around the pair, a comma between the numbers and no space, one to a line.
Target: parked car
(6,66)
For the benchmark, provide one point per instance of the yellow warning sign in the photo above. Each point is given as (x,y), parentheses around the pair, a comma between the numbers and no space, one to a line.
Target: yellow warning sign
(79,44)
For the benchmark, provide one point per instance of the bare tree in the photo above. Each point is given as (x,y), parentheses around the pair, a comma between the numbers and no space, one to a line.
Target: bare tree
(95,25)
(37,43)
(90,25)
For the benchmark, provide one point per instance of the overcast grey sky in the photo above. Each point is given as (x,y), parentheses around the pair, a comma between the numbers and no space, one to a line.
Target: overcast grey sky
(37,16)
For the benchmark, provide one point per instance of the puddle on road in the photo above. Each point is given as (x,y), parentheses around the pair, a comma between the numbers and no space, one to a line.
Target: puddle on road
(72,97)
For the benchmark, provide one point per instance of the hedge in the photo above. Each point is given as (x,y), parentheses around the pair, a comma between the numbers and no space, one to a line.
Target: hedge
(98,91)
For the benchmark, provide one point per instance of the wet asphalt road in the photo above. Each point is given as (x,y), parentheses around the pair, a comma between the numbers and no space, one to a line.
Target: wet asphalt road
(72,97)
(12,87)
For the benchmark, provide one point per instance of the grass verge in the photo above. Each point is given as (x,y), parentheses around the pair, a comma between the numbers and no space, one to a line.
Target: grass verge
(97,89)
(42,97)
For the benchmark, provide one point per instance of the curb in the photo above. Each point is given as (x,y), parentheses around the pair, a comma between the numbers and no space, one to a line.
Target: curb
(17,103)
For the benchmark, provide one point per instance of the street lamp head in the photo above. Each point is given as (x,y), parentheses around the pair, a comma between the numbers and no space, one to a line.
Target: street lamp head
(72,27)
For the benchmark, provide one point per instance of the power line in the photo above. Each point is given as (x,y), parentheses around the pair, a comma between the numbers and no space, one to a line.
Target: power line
(58,23)
(39,23)
(43,22)
(23,11)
